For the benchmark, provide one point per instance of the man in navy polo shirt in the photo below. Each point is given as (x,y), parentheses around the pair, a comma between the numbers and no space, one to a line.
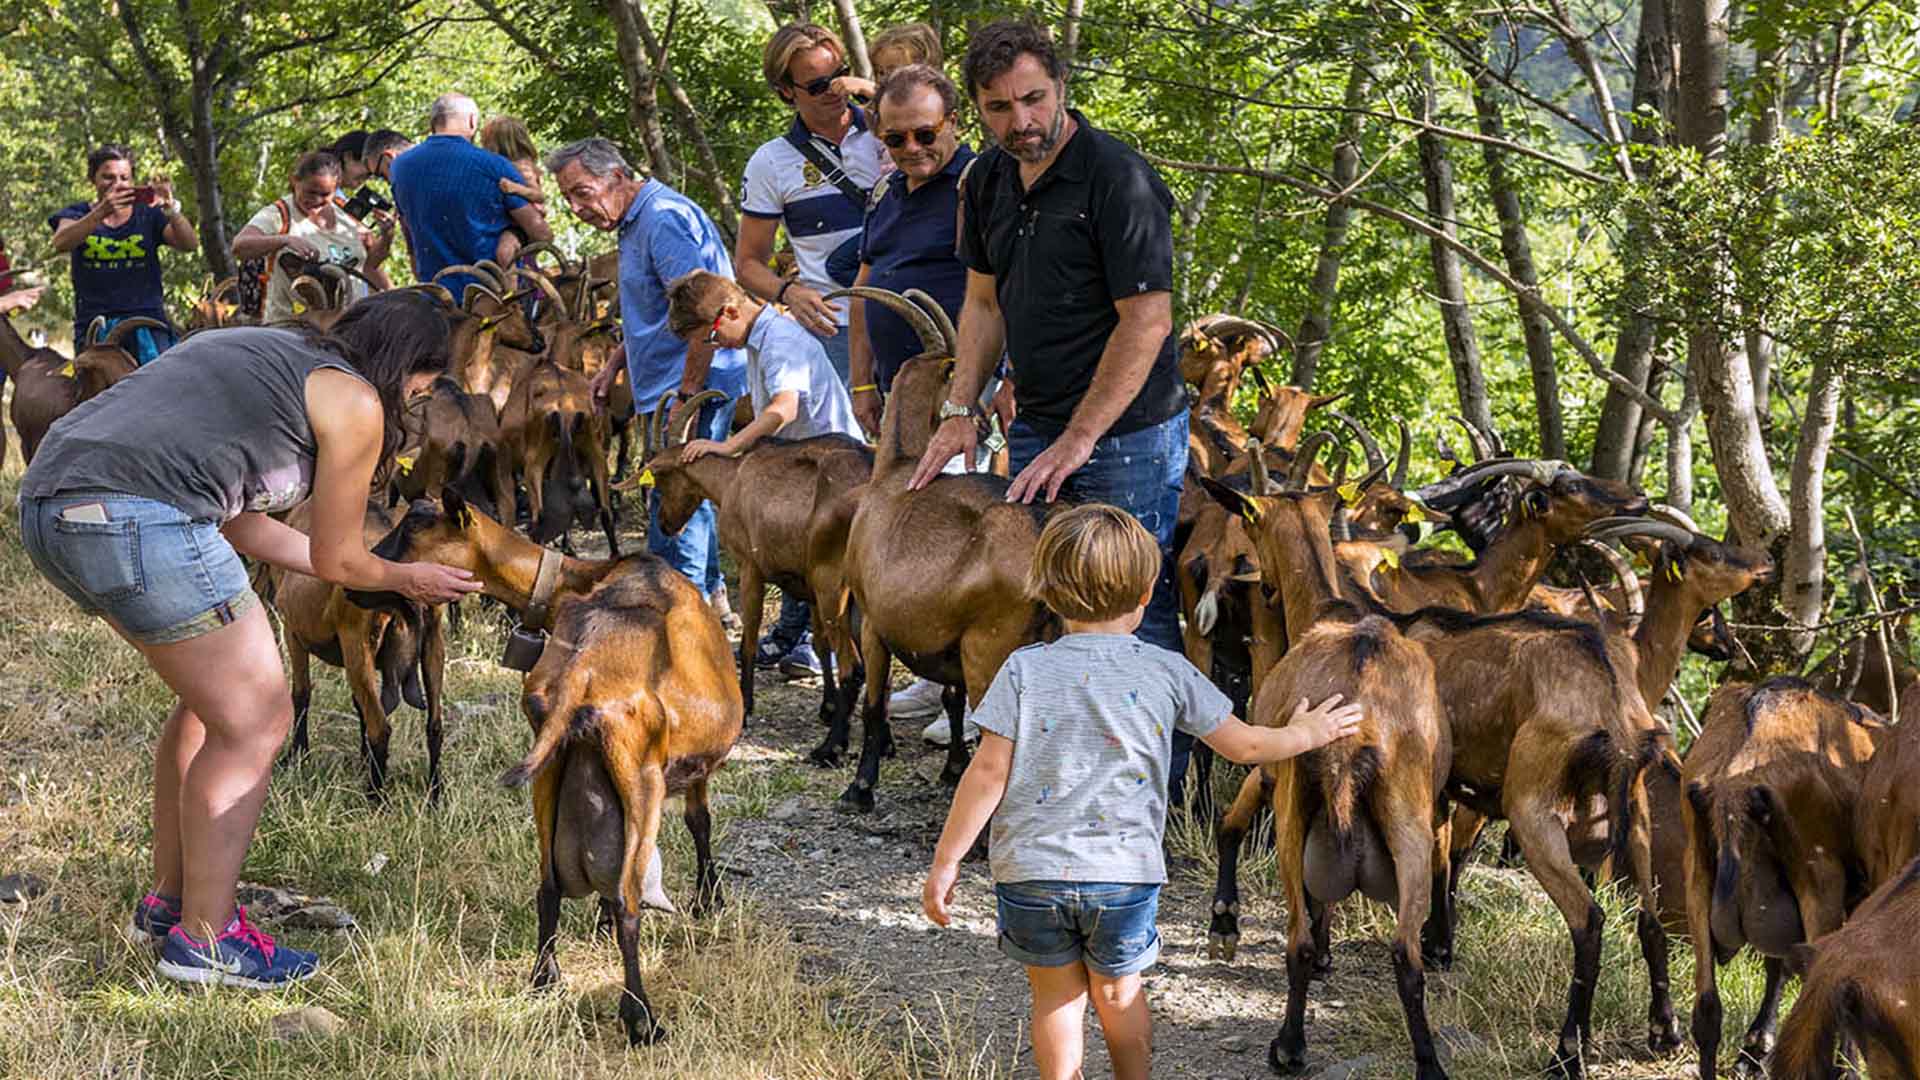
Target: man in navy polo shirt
(448,193)
(1068,240)
(663,235)
(815,179)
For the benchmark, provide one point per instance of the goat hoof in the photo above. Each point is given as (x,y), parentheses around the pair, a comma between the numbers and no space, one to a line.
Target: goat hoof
(827,757)
(1565,1066)
(1436,958)
(1752,1062)
(857,798)
(645,1032)
(1285,1061)
(546,974)
(1663,1040)
(950,776)
(1322,966)
(1221,947)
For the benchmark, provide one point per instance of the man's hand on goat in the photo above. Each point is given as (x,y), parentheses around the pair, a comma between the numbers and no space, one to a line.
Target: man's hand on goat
(1051,468)
(956,435)
(812,311)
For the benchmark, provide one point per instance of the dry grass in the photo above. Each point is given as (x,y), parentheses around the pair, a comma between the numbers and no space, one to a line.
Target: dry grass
(433,983)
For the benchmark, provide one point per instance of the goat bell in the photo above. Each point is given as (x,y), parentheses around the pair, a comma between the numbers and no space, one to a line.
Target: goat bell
(523,648)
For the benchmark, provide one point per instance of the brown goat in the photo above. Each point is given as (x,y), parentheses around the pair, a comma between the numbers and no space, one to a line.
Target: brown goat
(1858,990)
(385,653)
(218,307)
(48,386)
(452,439)
(939,574)
(1772,785)
(775,505)
(490,350)
(1888,822)
(1857,670)
(1359,814)
(552,435)
(632,701)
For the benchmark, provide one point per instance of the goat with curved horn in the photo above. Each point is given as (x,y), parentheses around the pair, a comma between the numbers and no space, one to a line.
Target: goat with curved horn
(1482,449)
(1675,515)
(654,434)
(1629,583)
(307,289)
(1483,471)
(127,326)
(1615,528)
(939,316)
(690,412)
(931,342)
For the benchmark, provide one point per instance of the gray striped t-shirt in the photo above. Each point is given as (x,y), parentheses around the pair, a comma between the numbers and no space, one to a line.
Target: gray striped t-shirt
(1091,717)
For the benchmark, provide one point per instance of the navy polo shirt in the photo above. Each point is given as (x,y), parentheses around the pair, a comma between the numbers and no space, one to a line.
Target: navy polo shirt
(448,193)
(909,244)
(1096,227)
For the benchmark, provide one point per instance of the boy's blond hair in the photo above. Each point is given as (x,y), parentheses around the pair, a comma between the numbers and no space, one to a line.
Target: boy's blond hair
(695,298)
(919,41)
(1093,563)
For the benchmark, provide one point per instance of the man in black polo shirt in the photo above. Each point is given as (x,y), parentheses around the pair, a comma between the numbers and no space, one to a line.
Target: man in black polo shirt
(1068,239)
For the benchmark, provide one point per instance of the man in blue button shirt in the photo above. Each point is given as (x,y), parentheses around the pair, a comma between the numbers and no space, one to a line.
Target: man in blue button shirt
(663,235)
(448,193)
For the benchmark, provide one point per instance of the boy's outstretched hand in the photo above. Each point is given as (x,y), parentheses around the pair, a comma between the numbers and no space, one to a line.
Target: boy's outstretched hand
(936,896)
(1328,720)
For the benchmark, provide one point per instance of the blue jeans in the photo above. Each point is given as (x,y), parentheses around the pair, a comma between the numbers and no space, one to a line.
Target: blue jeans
(145,344)
(1108,927)
(695,549)
(837,347)
(157,574)
(1139,472)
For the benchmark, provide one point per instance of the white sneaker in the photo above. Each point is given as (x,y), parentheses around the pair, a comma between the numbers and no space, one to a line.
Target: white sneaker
(940,732)
(920,699)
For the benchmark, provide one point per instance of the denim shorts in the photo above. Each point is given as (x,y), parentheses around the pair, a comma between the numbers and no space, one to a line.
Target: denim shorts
(160,576)
(1108,927)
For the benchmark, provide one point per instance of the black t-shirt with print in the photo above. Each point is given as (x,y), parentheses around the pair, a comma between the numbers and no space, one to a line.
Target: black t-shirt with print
(116,270)
(1095,228)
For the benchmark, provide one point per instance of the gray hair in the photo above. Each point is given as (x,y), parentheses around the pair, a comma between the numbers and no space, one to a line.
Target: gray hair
(596,155)
(448,107)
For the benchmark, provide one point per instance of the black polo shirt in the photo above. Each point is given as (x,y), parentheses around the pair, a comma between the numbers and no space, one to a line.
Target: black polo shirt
(1097,226)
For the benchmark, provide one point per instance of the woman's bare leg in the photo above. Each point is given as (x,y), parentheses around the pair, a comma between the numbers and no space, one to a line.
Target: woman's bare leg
(180,740)
(231,682)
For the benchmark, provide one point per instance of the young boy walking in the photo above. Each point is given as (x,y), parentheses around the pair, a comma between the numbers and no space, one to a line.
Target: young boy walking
(1076,739)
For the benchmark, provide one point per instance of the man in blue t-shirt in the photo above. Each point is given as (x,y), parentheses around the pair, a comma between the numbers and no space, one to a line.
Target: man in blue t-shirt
(448,193)
(116,241)
(663,235)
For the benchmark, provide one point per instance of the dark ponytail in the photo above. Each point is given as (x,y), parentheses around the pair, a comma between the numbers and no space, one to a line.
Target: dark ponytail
(387,337)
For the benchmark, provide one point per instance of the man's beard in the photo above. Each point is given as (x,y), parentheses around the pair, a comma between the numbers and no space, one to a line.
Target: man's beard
(1039,149)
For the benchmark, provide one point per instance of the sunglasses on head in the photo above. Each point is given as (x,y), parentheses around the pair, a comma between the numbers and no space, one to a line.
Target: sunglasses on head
(924,136)
(822,84)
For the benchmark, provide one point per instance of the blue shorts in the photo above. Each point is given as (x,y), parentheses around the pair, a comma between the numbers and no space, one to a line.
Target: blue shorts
(160,576)
(1108,927)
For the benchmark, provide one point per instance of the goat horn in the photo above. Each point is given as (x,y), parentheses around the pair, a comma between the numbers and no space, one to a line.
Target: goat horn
(1375,459)
(1613,528)
(468,269)
(475,288)
(1257,467)
(1482,450)
(438,292)
(1398,481)
(939,315)
(931,342)
(538,247)
(1303,459)
(543,283)
(128,326)
(1260,380)
(1629,582)
(1494,439)
(493,268)
(1277,339)
(691,407)
(310,291)
(657,423)
(1225,326)
(94,330)
(1675,515)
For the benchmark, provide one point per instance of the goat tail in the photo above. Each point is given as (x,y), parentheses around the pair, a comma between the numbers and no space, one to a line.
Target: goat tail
(554,727)
(1629,791)
(1346,782)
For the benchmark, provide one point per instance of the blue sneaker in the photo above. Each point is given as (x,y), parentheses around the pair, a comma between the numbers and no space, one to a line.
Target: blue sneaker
(801,661)
(241,956)
(773,648)
(153,917)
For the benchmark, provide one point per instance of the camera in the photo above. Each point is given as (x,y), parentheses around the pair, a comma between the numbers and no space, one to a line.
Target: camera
(146,195)
(364,202)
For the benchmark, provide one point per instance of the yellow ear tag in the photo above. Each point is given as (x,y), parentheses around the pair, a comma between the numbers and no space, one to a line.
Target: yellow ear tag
(1414,515)
(646,478)
(466,517)
(1389,558)
(68,370)
(1673,570)
(299,308)
(1350,492)
(405,463)
(1251,511)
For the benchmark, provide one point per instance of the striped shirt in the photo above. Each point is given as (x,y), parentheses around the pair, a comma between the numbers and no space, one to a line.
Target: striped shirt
(780,184)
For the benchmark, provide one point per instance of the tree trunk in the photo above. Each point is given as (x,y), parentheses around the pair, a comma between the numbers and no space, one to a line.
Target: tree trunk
(1633,350)
(643,110)
(1070,33)
(1649,424)
(856,41)
(1518,250)
(1316,326)
(204,160)
(1803,579)
(1762,130)
(1680,449)
(706,166)
(1463,347)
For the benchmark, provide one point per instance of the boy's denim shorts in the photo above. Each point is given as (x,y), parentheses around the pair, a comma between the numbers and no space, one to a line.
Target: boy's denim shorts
(1108,927)
(160,576)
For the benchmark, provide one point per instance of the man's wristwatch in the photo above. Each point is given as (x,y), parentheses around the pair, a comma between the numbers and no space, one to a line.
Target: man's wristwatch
(950,411)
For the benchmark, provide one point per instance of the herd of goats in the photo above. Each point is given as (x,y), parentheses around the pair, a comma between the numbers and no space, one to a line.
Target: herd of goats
(1791,826)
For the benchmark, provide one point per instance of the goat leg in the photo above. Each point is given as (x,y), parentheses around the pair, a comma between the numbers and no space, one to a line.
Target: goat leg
(954,700)
(1223,934)
(1202,804)
(1288,1051)
(873,721)
(433,666)
(706,896)
(636,1012)
(1708,1013)
(829,675)
(1758,1041)
(546,966)
(363,679)
(300,676)
(1436,938)
(1530,814)
(753,608)
(1411,843)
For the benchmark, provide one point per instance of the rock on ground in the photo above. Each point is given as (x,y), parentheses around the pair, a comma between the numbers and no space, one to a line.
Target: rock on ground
(312,1022)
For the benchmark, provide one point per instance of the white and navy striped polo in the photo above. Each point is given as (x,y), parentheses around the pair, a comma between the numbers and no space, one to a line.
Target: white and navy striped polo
(781,184)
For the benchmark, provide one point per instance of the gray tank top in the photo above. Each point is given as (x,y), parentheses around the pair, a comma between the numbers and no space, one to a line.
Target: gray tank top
(215,427)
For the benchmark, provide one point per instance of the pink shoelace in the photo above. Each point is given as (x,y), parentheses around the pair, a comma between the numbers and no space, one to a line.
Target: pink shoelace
(245,931)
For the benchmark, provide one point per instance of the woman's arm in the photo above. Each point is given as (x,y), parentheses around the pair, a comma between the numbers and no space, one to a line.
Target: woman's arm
(73,230)
(258,536)
(974,802)
(251,243)
(347,426)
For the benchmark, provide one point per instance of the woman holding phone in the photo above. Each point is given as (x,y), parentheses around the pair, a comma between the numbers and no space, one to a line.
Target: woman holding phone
(138,507)
(116,241)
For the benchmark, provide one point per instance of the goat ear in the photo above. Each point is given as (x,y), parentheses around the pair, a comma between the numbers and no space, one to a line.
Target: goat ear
(1701,799)
(1236,502)
(1760,804)
(1534,503)
(455,504)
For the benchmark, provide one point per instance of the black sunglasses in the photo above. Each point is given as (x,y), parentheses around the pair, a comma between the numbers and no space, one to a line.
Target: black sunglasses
(820,85)
(924,136)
